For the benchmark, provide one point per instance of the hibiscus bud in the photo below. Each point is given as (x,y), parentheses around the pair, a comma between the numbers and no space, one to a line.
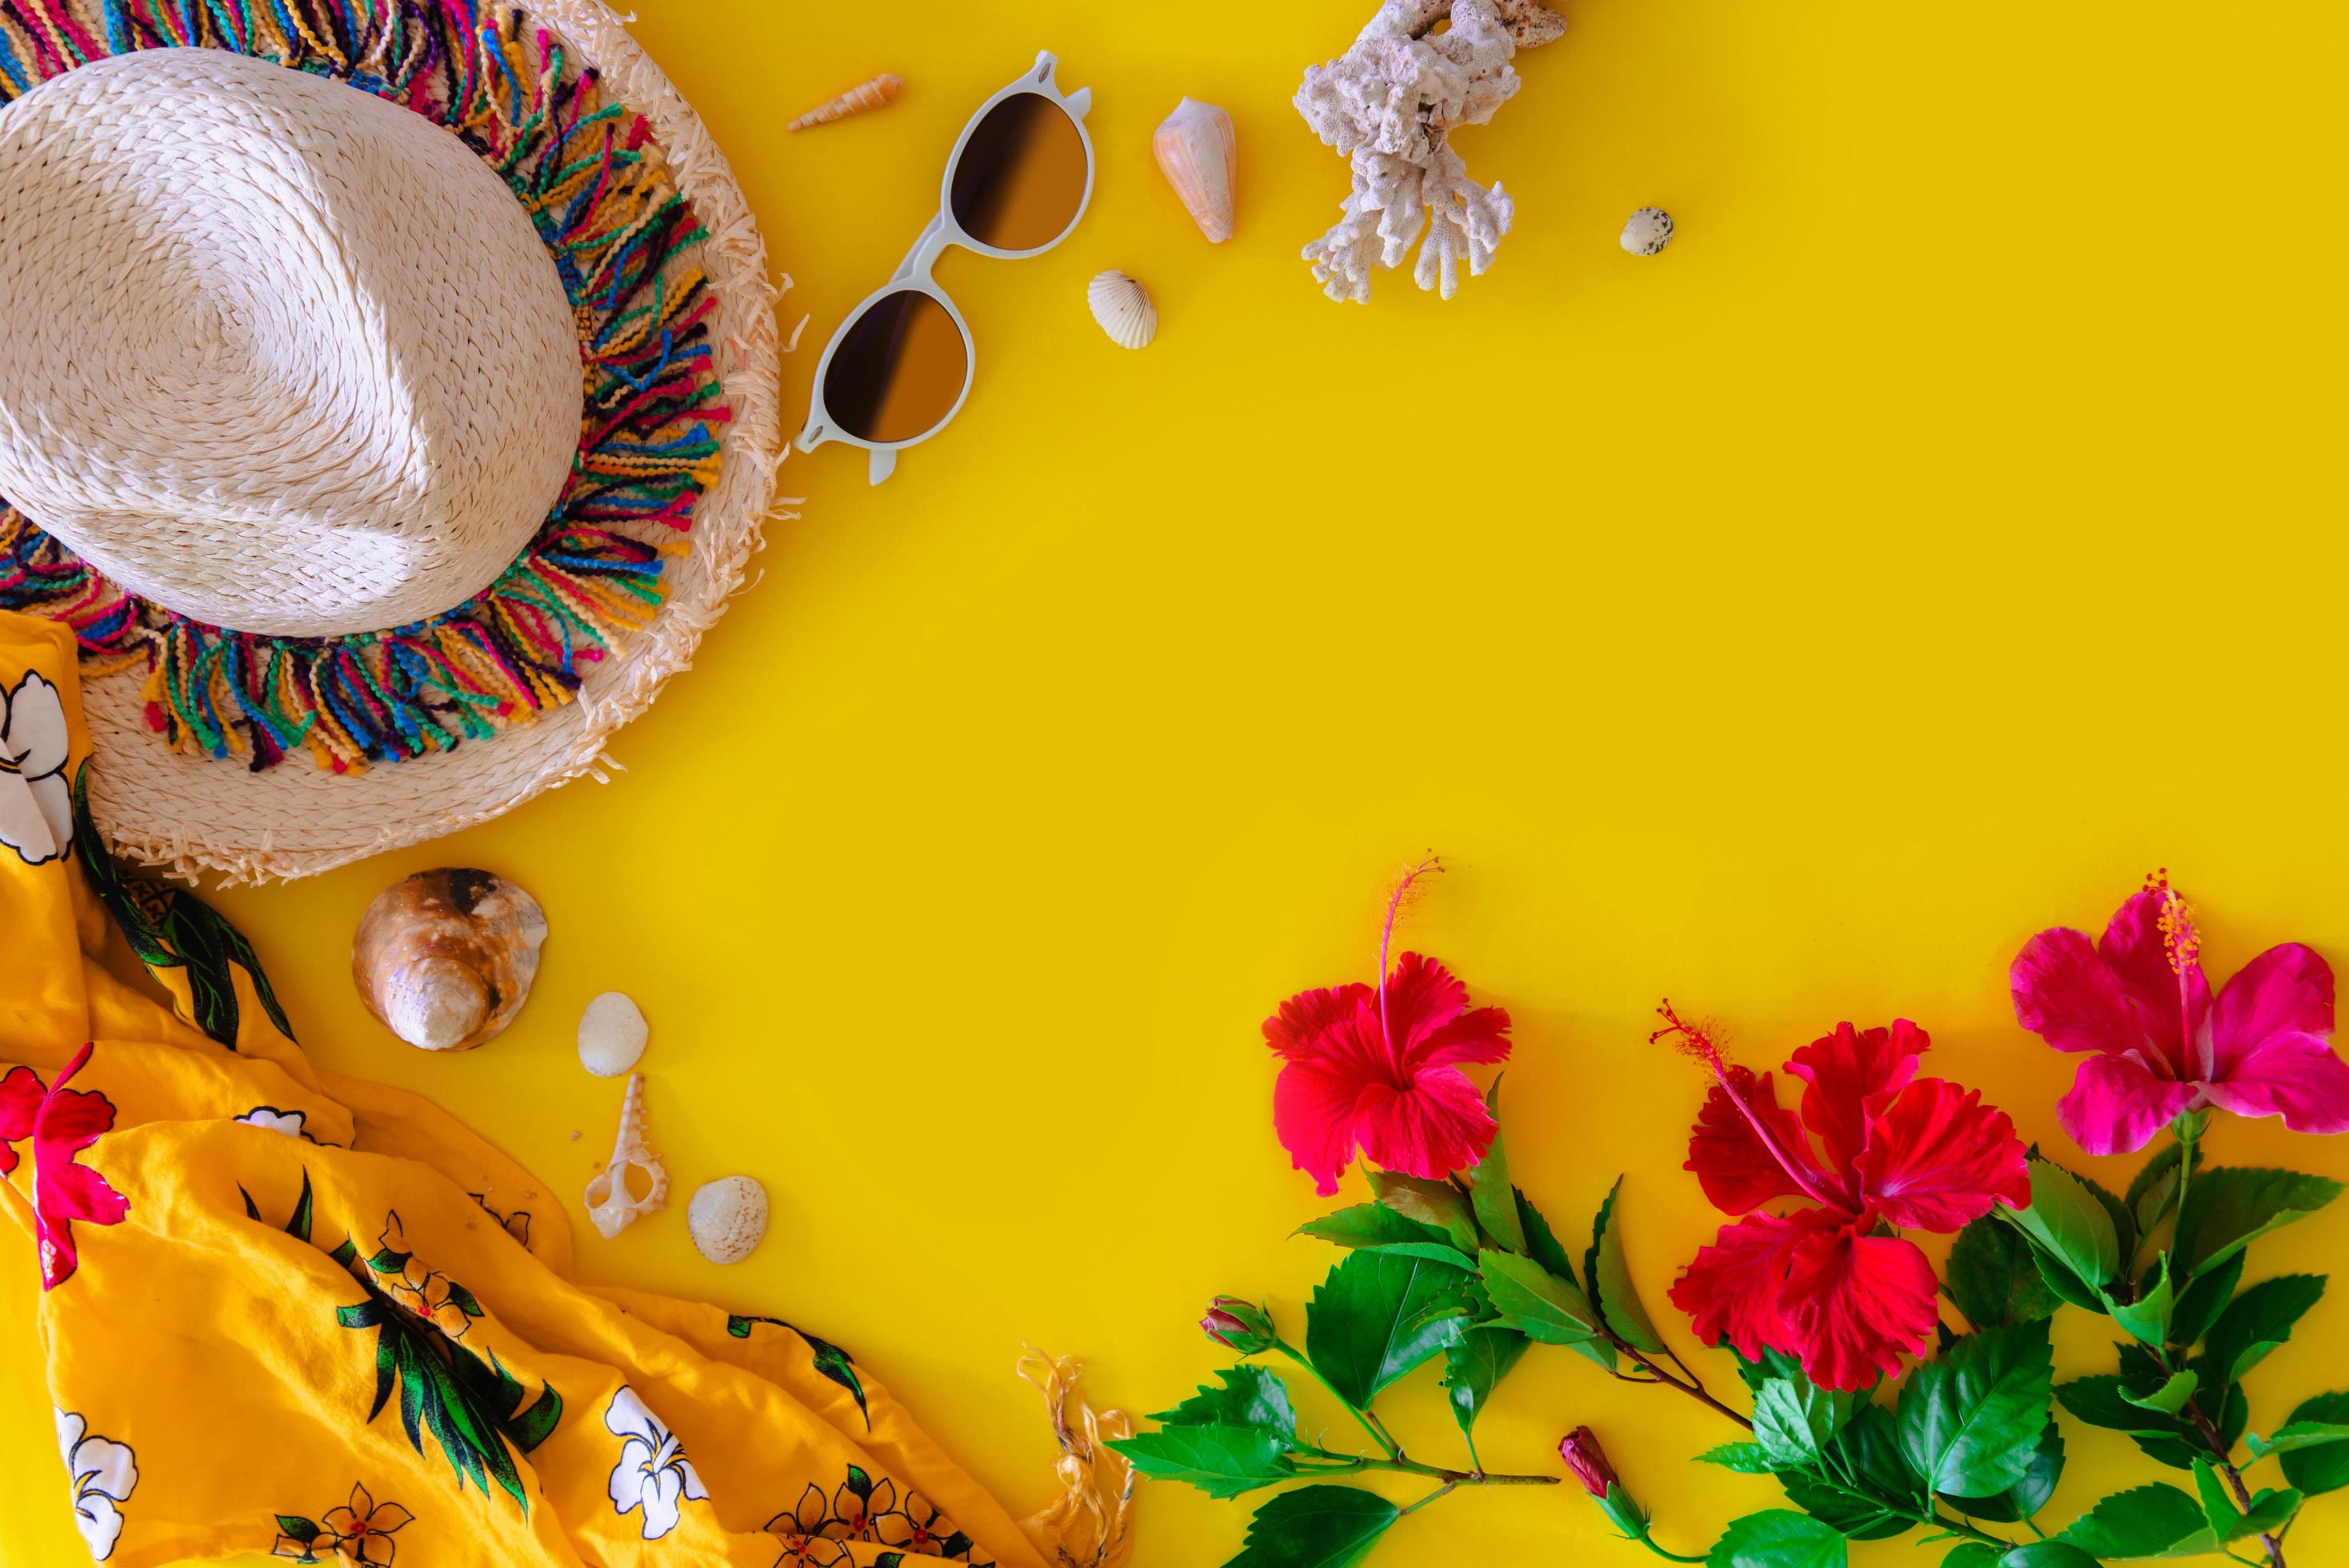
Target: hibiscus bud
(1580,1450)
(1245,1328)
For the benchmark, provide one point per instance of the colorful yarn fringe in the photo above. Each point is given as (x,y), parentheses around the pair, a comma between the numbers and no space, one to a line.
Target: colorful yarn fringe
(622,238)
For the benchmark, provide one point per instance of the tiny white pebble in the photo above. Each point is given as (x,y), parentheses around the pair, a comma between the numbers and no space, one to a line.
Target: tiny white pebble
(1650,231)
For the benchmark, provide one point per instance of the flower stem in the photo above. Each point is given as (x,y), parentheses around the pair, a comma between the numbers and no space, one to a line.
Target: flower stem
(1694,1388)
(1378,1433)
(1667,1556)
(2226,1467)
(1440,1491)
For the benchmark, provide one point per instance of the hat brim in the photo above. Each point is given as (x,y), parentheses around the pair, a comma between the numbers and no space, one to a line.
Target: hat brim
(192,812)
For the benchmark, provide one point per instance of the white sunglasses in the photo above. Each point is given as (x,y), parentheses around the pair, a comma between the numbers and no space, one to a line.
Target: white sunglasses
(899,367)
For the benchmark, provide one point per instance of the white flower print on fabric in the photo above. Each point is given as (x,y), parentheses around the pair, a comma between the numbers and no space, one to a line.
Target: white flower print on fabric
(288,1123)
(104,1472)
(36,802)
(653,1472)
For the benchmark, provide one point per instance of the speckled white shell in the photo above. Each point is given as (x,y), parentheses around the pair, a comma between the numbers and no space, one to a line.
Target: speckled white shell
(612,1035)
(1124,309)
(727,1218)
(1648,231)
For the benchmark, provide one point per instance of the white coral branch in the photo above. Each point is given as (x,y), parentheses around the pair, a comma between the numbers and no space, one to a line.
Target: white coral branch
(1388,105)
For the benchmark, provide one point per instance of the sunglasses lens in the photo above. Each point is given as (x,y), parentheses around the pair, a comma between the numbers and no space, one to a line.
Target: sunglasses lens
(899,370)
(1021,180)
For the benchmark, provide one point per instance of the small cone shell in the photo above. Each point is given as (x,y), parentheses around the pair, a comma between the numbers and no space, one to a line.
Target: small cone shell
(881,90)
(1199,153)
(610,1203)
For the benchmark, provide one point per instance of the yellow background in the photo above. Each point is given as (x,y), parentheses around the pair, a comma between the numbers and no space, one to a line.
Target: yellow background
(1930,542)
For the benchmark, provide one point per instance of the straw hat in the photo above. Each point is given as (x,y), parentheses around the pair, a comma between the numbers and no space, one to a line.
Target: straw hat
(384,473)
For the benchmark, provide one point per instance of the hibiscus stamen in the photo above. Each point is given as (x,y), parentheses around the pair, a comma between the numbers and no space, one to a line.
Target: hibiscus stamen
(1696,1041)
(1432,866)
(2181,943)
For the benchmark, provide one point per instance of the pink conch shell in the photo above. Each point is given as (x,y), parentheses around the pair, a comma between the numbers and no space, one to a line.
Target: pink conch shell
(1199,153)
(611,1201)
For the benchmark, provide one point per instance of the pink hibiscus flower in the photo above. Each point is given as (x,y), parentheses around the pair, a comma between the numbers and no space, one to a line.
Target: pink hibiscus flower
(1381,1069)
(1820,1283)
(2161,1045)
(60,1122)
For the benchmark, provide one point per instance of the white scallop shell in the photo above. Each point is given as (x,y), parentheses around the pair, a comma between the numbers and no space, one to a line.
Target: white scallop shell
(727,1218)
(1648,231)
(612,1035)
(610,1202)
(1124,309)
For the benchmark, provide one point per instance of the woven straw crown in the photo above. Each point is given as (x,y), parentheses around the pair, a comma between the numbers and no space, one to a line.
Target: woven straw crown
(281,357)
(268,361)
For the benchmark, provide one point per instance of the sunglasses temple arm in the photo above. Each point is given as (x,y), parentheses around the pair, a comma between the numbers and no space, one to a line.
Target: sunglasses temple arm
(882,464)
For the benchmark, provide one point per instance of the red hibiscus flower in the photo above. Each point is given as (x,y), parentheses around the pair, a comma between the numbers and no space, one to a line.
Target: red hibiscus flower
(61,1122)
(1381,1069)
(1831,1284)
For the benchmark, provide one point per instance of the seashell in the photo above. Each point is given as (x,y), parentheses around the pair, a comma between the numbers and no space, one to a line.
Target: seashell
(445,958)
(633,1181)
(881,90)
(1650,231)
(727,1218)
(1124,309)
(1198,152)
(612,1035)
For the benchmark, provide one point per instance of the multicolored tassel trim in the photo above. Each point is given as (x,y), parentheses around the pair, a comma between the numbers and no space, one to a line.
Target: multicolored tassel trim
(625,243)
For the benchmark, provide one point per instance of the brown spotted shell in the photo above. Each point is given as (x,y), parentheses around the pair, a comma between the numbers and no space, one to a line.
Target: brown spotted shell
(445,958)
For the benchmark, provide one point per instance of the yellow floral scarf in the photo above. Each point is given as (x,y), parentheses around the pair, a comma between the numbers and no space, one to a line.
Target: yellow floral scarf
(294,1312)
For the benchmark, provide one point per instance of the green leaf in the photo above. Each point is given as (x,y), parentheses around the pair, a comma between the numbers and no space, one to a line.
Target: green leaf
(1222,1461)
(1992,1279)
(2027,1495)
(1541,1242)
(1436,1203)
(1370,1322)
(1493,1199)
(2227,1208)
(2105,1401)
(2124,1221)
(1866,1451)
(1778,1538)
(2258,1321)
(2218,1508)
(1971,1555)
(1249,1396)
(1474,1365)
(2147,1319)
(1369,1226)
(2070,1223)
(1443,1253)
(1794,1418)
(299,1529)
(1970,1421)
(2204,1300)
(2047,1554)
(2294,1435)
(1745,1458)
(1536,1302)
(1610,1280)
(1316,1527)
(2317,1466)
(2155,1186)
(2157,1521)
(2168,1399)
(2271,1509)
